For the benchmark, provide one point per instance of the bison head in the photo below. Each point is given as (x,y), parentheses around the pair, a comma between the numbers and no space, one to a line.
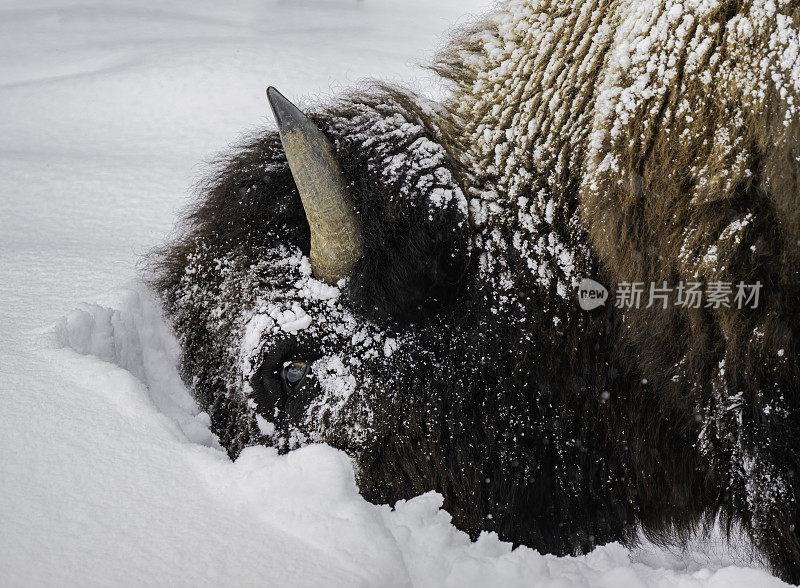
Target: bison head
(330,287)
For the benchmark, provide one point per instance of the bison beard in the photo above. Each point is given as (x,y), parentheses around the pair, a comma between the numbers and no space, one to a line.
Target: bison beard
(624,141)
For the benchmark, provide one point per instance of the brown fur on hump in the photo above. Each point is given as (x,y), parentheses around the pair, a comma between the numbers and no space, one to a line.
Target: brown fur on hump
(693,176)
(668,134)
(667,125)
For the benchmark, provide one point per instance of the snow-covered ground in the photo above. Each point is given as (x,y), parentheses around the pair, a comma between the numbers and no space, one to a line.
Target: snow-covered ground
(108,472)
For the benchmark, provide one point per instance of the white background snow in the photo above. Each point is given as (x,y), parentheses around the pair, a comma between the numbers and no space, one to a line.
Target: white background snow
(108,473)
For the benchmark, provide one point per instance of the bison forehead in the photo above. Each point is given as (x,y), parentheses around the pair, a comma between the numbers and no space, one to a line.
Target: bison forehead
(284,301)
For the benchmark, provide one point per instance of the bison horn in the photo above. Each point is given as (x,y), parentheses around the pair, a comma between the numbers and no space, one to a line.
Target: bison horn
(336,242)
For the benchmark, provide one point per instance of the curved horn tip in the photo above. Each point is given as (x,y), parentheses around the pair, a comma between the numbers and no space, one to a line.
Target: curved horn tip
(286,114)
(273,96)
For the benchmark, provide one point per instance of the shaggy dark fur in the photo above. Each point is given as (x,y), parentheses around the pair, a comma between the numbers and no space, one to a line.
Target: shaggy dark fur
(455,358)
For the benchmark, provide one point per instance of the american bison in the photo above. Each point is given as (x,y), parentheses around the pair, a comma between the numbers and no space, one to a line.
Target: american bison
(400,278)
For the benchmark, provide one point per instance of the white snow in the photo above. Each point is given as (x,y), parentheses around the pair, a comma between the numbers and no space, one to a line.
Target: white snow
(291,320)
(108,472)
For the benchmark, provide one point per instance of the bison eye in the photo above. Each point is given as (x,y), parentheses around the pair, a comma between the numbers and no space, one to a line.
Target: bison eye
(295,371)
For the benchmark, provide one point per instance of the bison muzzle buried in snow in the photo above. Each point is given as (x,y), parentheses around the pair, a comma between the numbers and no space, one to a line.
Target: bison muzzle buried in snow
(399,278)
